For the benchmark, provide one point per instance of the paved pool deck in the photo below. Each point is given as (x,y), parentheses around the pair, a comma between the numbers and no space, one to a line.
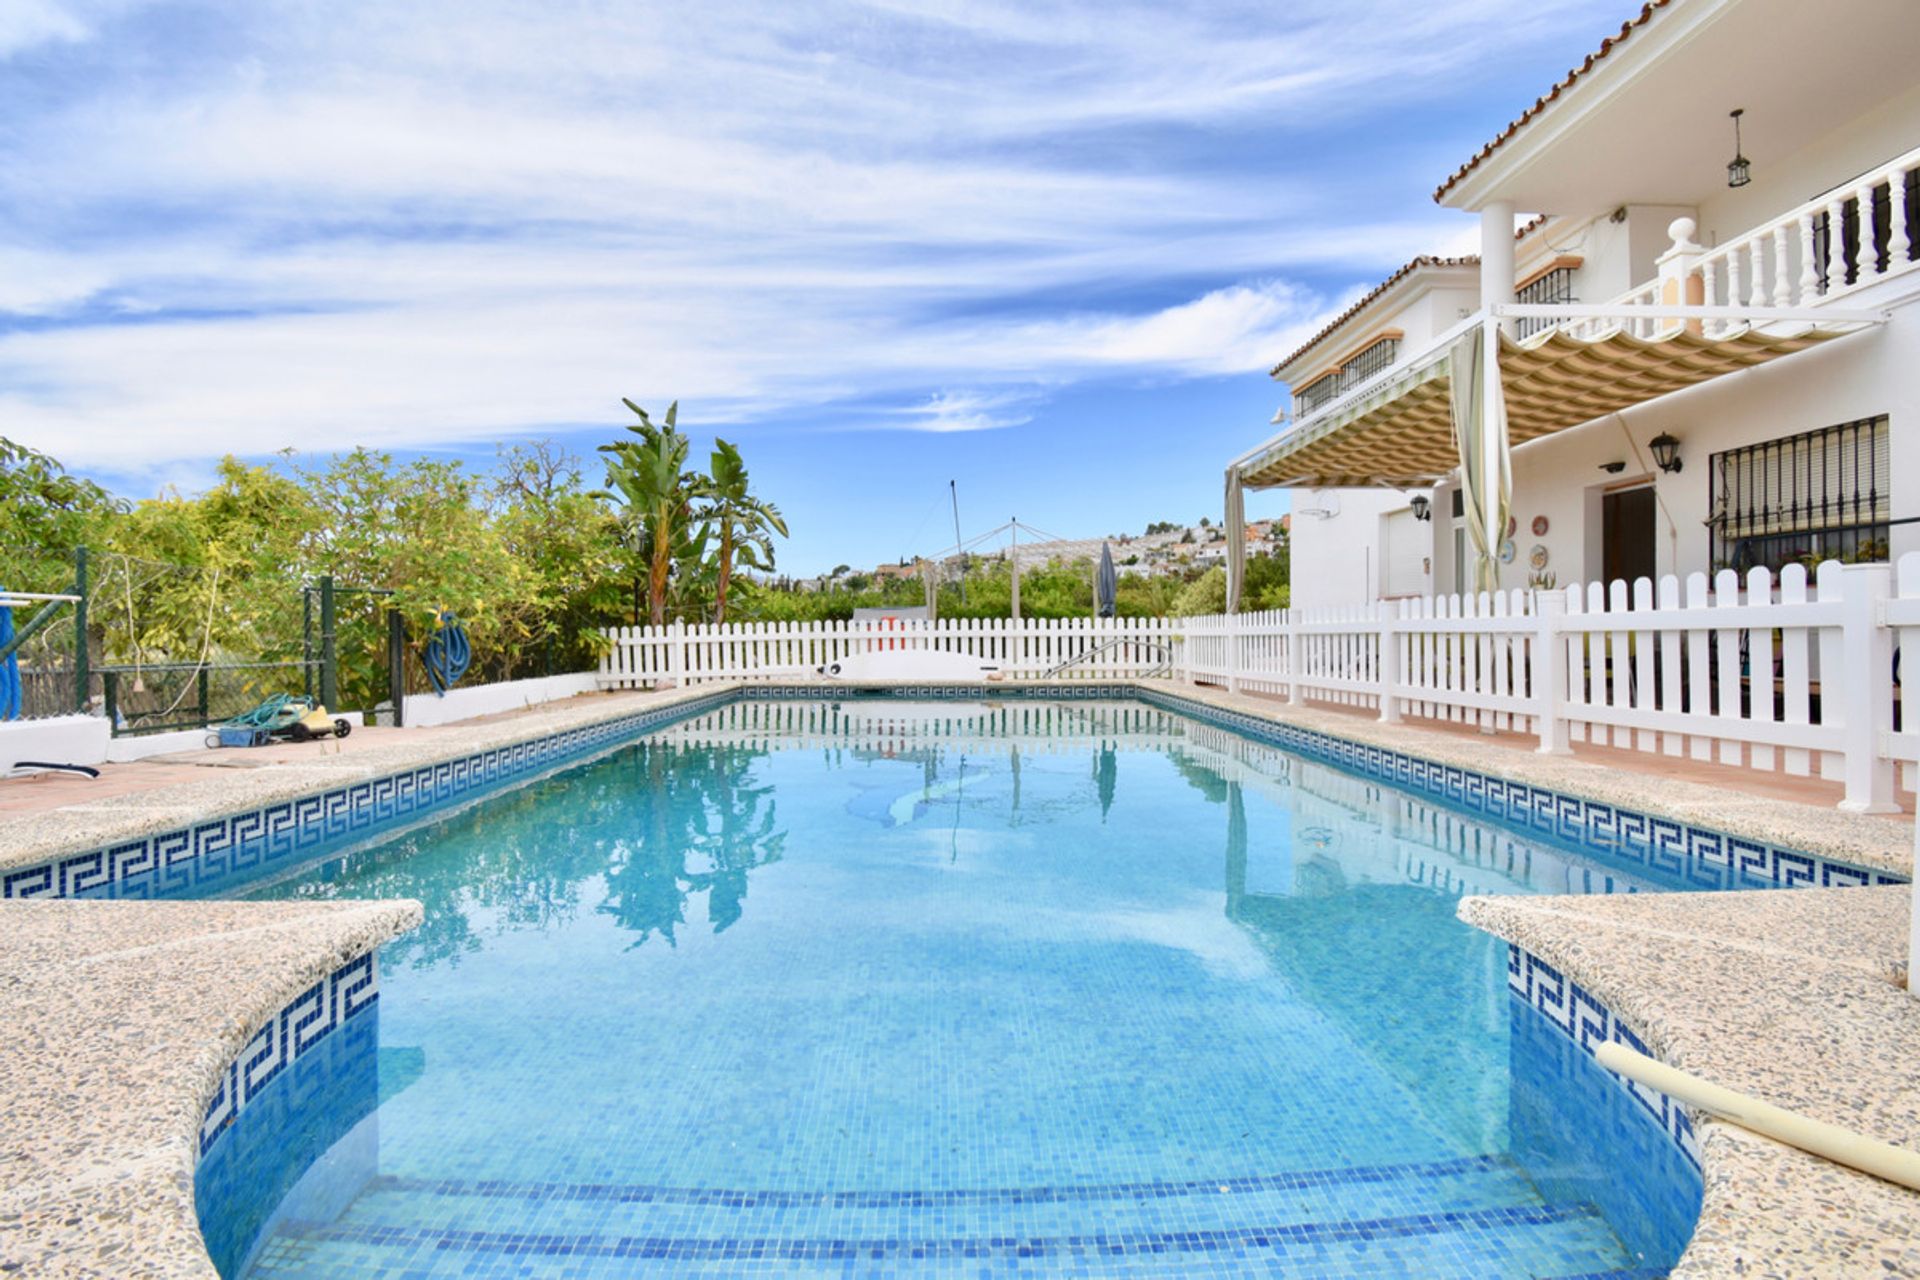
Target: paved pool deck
(113,1045)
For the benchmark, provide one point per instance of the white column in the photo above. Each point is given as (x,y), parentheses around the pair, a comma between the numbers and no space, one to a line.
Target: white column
(1493,443)
(1496,256)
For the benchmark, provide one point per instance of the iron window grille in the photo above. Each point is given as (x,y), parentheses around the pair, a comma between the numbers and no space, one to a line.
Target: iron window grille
(1376,359)
(1315,393)
(1820,495)
(1555,286)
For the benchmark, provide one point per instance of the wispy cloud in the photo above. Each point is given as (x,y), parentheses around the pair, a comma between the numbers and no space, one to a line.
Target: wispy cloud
(422,224)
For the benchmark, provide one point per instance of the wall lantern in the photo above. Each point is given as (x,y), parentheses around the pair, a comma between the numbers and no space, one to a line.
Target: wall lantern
(1739,172)
(1422,507)
(1666,452)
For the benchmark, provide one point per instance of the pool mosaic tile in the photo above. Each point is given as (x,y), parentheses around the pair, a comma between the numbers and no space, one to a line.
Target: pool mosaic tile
(1573,1011)
(295,1031)
(226,849)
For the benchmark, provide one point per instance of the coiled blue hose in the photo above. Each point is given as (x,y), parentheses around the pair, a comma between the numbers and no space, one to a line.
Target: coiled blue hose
(447,655)
(9,670)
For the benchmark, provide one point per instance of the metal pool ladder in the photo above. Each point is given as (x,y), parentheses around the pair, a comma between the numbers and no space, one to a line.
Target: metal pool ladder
(1165,653)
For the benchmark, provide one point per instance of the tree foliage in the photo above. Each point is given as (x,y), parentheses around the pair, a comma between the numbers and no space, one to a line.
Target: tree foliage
(534,557)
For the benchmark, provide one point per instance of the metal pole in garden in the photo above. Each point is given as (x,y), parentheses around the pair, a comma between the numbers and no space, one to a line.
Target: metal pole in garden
(396,665)
(329,674)
(82,676)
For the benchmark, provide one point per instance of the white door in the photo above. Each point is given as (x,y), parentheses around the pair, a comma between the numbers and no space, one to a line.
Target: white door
(1403,561)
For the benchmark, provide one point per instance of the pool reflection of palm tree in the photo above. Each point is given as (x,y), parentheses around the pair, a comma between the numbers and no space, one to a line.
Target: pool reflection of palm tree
(701,806)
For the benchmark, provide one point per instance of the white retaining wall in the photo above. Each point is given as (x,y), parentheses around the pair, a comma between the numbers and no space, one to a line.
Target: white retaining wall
(75,739)
(424,709)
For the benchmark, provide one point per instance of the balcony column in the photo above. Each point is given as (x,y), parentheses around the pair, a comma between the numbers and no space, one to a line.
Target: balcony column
(1496,257)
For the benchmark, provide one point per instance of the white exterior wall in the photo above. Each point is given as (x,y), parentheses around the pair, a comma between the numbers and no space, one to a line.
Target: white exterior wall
(1431,315)
(1342,560)
(1785,182)
(1860,376)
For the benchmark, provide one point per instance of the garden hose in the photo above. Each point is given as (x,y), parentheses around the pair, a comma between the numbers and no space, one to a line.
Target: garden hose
(267,715)
(447,655)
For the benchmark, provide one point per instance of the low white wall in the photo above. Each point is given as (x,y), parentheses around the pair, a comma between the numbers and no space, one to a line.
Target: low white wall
(140,746)
(424,709)
(75,739)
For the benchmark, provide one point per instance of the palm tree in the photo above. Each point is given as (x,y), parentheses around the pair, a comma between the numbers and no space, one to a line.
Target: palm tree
(650,480)
(746,524)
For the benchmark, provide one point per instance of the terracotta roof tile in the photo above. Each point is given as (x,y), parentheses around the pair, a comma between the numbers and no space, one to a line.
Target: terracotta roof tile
(1424,260)
(1607,46)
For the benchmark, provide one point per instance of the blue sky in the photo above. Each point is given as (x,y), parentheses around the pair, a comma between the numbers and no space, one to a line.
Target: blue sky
(1043,247)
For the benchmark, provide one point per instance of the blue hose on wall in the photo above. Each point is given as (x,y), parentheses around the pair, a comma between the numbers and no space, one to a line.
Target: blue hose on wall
(447,655)
(9,670)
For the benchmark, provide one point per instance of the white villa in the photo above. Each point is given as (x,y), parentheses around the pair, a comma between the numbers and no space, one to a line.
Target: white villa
(1706,348)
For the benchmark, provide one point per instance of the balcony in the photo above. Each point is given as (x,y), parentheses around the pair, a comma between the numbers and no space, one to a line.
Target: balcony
(1808,276)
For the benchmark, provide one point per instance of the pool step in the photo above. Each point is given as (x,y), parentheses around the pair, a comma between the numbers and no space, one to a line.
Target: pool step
(1476,1243)
(1485,1220)
(601,1209)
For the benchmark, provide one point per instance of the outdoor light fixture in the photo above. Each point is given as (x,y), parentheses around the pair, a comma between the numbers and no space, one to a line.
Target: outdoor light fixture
(1739,172)
(1666,452)
(1422,506)
(1613,468)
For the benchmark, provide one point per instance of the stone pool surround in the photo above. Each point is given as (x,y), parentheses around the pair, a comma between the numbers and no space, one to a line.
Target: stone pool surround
(73,1223)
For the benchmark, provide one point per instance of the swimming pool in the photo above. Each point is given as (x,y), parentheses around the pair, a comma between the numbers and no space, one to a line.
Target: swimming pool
(887,987)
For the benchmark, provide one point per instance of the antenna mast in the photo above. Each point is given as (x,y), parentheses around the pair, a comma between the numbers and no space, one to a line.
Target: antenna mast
(953,487)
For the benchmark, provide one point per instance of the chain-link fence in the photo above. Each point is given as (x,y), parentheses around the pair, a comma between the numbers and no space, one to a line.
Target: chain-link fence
(173,646)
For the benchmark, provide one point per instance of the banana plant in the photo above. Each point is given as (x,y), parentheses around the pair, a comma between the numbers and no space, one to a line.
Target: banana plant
(648,478)
(745,524)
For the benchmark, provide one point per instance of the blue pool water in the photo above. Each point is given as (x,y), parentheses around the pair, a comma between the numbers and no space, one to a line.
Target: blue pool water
(890,988)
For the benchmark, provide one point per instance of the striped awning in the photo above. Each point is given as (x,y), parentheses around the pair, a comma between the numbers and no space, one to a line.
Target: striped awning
(1401,434)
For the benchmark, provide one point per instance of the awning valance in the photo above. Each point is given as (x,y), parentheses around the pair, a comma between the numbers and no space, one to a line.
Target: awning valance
(1401,435)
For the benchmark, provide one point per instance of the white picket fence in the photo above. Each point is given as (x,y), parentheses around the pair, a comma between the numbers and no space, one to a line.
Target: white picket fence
(1774,675)
(693,654)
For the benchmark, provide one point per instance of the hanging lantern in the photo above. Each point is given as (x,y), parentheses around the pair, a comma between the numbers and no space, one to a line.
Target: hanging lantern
(1739,172)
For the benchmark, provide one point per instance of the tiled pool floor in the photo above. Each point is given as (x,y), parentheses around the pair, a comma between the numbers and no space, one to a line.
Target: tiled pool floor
(1468,1216)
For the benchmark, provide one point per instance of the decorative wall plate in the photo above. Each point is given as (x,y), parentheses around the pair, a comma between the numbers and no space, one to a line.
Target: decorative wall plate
(1538,556)
(1513,525)
(1539,526)
(1506,551)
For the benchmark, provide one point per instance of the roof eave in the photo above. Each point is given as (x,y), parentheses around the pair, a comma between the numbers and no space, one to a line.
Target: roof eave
(1496,163)
(1379,296)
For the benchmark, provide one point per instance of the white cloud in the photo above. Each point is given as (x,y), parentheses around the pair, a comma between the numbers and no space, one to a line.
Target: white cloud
(27,23)
(425,224)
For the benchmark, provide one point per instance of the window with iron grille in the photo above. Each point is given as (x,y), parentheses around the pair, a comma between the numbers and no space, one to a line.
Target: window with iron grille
(1315,393)
(1821,495)
(1555,286)
(1375,359)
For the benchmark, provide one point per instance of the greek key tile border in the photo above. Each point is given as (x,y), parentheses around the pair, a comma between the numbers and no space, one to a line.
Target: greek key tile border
(1575,1014)
(307,1019)
(235,845)
(1698,857)
(222,849)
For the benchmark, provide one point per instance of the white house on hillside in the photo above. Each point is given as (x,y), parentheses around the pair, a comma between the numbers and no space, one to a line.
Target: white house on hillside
(1705,352)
